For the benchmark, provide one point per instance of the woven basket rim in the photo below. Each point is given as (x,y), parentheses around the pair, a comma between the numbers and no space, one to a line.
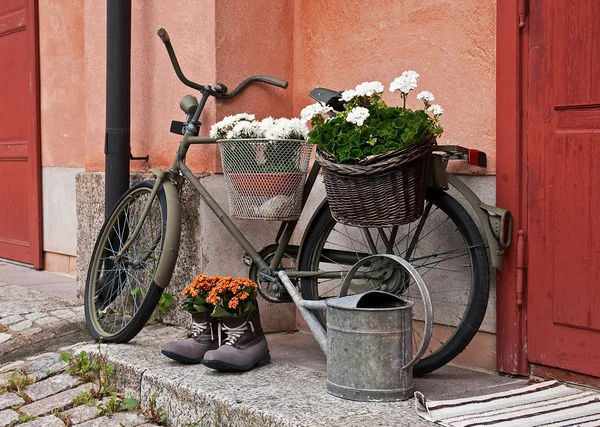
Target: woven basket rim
(379,163)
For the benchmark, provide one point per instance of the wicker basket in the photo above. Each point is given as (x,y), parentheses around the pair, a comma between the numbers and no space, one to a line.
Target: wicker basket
(265,177)
(388,191)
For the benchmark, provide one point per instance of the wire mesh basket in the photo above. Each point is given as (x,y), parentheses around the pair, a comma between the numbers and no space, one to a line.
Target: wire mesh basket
(265,177)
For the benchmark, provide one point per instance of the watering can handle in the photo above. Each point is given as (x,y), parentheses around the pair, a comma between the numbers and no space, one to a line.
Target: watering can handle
(424,295)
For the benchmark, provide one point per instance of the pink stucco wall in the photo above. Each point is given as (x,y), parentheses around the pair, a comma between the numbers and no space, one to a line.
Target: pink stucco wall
(332,43)
(62,94)
(155,89)
(451,44)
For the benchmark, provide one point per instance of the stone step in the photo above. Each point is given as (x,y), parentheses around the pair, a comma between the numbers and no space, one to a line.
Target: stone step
(282,393)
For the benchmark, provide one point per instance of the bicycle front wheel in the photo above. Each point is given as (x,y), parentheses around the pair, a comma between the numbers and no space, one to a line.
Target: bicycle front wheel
(120,293)
(445,247)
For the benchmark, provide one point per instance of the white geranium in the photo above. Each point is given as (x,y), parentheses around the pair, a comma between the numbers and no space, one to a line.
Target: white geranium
(369,88)
(348,95)
(426,96)
(313,110)
(405,83)
(436,110)
(357,115)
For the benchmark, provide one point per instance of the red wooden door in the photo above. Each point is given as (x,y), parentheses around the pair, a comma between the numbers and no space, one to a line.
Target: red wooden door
(563,190)
(20,237)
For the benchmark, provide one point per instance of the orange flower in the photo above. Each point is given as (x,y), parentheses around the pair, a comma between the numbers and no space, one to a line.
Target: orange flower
(243,295)
(233,303)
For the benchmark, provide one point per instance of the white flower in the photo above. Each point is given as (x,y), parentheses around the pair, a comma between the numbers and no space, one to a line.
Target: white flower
(426,96)
(220,129)
(245,129)
(357,115)
(287,129)
(349,94)
(369,88)
(405,83)
(313,110)
(436,110)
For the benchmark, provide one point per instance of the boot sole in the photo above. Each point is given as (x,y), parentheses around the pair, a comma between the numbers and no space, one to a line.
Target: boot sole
(181,359)
(227,367)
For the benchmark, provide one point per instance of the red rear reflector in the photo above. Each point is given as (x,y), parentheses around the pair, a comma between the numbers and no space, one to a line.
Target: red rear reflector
(473,157)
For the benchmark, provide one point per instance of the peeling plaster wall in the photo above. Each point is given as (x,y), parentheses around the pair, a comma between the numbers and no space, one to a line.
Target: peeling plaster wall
(450,43)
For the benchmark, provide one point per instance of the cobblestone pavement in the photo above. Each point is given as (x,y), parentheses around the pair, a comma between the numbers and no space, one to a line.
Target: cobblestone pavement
(49,400)
(33,321)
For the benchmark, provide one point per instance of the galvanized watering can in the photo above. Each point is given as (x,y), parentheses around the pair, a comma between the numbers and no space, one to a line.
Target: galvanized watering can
(368,342)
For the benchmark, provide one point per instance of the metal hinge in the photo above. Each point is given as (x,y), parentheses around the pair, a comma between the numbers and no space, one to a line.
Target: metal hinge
(523,11)
(521,268)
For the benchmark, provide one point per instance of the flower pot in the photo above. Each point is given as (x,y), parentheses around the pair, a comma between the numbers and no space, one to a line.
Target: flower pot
(387,192)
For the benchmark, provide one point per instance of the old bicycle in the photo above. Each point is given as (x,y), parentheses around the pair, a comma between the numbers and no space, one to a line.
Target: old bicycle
(137,247)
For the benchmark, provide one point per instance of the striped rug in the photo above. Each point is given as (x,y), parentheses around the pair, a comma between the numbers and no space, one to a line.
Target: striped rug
(544,404)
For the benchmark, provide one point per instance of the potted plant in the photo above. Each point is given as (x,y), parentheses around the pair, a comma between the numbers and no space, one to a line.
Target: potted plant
(263,160)
(375,156)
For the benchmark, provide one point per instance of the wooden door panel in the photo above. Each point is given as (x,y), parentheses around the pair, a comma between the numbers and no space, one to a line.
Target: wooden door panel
(19,153)
(563,149)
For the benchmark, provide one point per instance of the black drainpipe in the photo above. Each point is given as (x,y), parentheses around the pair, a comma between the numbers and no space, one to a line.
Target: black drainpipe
(118,90)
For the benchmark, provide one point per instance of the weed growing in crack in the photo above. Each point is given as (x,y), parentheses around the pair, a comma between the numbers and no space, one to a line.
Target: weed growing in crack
(93,368)
(17,383)
(154,413)
(117,404)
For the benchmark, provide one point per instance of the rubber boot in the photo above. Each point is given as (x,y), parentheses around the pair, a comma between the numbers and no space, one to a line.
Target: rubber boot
(204,337)
(244,345)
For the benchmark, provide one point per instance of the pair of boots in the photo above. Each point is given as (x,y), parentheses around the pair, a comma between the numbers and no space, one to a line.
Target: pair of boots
(235,343)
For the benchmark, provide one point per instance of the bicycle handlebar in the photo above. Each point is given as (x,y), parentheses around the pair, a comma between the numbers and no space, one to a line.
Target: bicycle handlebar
(164,36)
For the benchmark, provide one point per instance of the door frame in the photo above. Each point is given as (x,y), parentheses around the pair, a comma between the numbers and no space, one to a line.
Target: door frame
(34,143)
(511,190)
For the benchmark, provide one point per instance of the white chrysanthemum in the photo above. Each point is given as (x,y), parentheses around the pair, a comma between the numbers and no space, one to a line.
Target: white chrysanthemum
(436,110)
(369,88)
(349,94)
(313,110)
(406,82)
(426,96)
(287,129)
(357,115)
(220,129)
(245,129)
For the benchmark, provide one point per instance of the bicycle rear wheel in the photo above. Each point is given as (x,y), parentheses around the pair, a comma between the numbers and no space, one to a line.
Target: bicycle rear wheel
(120,292)
(444,246)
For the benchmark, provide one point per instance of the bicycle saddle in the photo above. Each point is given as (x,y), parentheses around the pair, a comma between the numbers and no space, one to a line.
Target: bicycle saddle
(328,97)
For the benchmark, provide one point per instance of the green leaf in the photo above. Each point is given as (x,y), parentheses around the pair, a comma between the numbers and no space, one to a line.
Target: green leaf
(65,357)
(220,311)
(129,403)
(199,308)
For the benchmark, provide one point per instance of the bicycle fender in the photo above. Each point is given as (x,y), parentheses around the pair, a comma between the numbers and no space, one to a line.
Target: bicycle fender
(166,265)
(320,209)
(483,215)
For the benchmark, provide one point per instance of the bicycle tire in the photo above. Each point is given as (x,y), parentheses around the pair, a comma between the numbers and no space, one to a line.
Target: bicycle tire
(118,222)
(478,292)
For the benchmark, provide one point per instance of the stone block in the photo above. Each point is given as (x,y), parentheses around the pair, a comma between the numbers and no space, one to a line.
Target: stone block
(49,421)
(9,400)
(58,401)
(81,414)
(121,419)
(9,320)
(50,386)
(43,365)
(4,337)
(7,417)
